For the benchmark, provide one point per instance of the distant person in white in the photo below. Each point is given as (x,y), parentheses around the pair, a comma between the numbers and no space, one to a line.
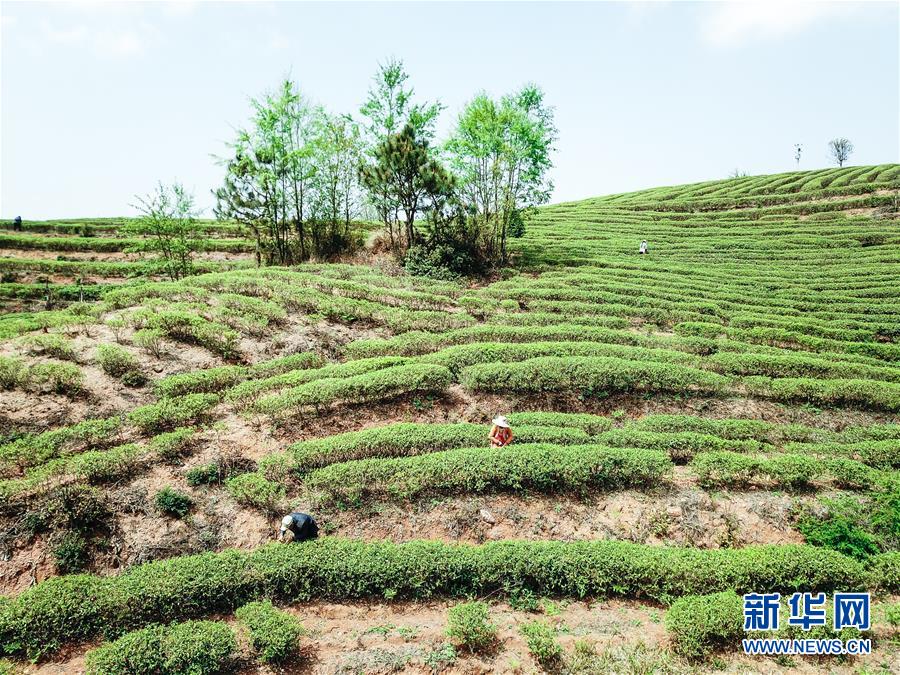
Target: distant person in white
(643,249)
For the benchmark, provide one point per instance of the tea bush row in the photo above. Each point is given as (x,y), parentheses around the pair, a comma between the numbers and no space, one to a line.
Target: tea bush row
(74,608)
(522,467)
(716,469)
(47,377)
(406,439)
(589,376)
(211,380)
(34,449)
(247,392)
(196,647)
(171,412)
(375,386)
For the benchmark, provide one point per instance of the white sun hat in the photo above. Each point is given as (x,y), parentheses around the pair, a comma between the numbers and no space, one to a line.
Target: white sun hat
(286,523)
(501,421)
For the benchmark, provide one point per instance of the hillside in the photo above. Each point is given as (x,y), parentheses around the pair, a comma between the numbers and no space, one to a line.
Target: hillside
(718,415)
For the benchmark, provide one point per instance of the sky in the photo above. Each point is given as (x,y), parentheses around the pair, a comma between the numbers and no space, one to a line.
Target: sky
(100,101)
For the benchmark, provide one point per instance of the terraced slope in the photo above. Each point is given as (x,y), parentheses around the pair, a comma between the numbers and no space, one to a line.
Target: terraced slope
(717,416)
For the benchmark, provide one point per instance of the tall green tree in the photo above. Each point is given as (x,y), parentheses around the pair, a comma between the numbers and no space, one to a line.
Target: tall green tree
(272,182)
(387,110)
(336,192)
(407,174)
(500,151)
(167,228)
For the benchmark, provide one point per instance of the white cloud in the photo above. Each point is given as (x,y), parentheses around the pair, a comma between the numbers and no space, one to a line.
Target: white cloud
(735,23)
(125,43)
(279,41)
(72,35)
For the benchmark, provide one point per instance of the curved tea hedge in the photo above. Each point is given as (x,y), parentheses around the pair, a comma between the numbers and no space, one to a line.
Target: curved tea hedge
(405,438)
(79,607)
(378,385)
(589,374)
(538,467)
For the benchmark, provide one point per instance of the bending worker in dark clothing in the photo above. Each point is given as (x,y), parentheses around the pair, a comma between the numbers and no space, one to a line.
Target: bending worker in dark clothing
(302,526)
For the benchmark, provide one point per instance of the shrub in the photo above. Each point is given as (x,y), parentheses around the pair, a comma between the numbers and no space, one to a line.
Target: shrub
(70,553)
(591,424)
(792,470)
(407,439)
(65,609)
(11,371)
(253,489)
(195,647)
(681,446)
(724,468)
(539,467)
(75,506)
(697,625)
(200,381)
(150,340)
(173,503)
(379,385)
(205,474)
(247,392)
(540,637)
(589,376)
(119,363)
(60,378)
(32,450)
(862,393)
(274,634)
(171,445)
(171,412)
(52,345)
(468,625)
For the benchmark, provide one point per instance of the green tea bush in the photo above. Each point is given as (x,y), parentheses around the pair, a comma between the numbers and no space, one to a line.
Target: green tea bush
(732,429)
(540,637)
(58,378)
(205,474)
(590,424)
(462,356)
(150,340)
(35,449)
(681,446)
(407,439)
(172,445)
(173,503)
(195,647)
(66,609)
(469,626)
(379,385)
(52,345)
(274,634)
(192,328)
(205,381)
(862,393)
(725,468)
(538,467)
(70,552)
(171,412)
(247,392)
(698,625)
(119,363)
(588,376)
(877,454)
(11,371)
(254,489)
(792,471)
